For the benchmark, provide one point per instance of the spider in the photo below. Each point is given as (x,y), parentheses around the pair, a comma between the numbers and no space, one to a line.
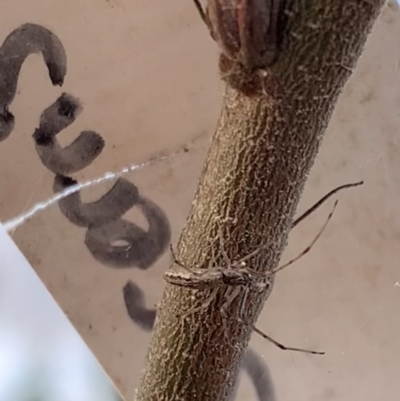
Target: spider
(236,275)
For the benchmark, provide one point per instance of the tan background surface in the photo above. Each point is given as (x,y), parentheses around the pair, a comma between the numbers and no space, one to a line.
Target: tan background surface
(147,78)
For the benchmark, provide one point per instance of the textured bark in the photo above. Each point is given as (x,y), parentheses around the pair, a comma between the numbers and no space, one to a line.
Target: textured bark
(259,159)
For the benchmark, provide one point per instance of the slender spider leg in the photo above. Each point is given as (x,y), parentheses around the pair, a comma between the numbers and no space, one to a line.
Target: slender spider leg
(215,275)
(308,249)
(194,272)
(243,303)
(263,335)
(222,246)
(235,291)
(201,11)
(323,200)
(180,264)
(203,306)
(257,274)
(241,262)
(208,301)
(280,345)
(212,260)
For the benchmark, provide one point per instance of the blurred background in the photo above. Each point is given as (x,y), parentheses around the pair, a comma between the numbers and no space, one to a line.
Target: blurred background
(42,357)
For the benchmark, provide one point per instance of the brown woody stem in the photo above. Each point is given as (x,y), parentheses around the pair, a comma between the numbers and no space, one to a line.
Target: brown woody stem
(261,153)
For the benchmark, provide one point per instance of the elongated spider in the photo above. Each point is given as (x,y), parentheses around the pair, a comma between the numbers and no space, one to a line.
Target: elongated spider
(236,275)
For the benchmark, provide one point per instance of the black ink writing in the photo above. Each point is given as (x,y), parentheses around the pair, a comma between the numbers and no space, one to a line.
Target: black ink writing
(259,374)
(103,219)
(134,302)
(111,239)
(19,44)
(75,157)
(141,248)
(116,202)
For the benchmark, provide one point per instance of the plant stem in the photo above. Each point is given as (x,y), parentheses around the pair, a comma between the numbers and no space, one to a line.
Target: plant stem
(254,174)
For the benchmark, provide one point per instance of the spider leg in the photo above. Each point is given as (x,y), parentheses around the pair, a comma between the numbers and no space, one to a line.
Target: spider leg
(233,294)
(175,260)
(308,249)
(281,346)
(242,262)
(270,339)
(300,219)
(203,306)
(323,200)
(212,262)
(222,245)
